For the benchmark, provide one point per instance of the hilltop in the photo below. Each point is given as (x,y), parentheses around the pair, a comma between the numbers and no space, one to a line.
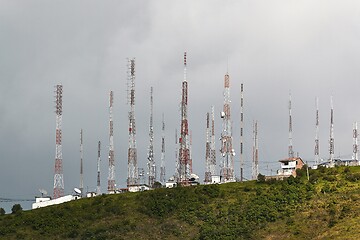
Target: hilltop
(327,206)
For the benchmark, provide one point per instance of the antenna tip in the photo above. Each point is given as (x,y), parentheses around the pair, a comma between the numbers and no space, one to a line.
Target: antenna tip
(185,58)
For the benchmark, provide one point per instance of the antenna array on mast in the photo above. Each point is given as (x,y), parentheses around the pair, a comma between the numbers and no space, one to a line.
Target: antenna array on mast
(151,159)
(111,176)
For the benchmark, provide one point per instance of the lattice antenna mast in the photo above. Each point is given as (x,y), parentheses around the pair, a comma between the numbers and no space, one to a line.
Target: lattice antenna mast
(58,176)
(177,163)
(111,156)
(98,186)
(162,166)
(151,159)
(331,141)
(227,151)
(317,157)
(291,151)
(255,166)
(355,156)
(81,186)
(184,151)
(241,132)
(207,150)
(212,144)
(133,176)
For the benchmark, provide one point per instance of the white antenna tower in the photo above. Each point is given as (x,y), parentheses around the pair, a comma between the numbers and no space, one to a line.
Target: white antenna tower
(241,132)
(81,186)
(317,158)
(291,151)
(331,141)
(162,166)
(111,177)
(151,159)
(207,150)
(355,156)
(212,144)
(98,187)
(255,166)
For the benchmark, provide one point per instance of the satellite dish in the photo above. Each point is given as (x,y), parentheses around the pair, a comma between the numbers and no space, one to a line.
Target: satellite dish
(43,192)
(78,191)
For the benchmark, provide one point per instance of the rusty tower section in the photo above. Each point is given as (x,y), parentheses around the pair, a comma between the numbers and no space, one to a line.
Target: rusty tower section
(58,176)
(226,150)
(184,147)
(133,176)
(111,176)
(151,160)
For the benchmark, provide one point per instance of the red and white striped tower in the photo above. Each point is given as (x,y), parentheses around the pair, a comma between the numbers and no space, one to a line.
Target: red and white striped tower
(227,151)
(184,148)
(133,175)
(58,176)
(162,166)
(111,177)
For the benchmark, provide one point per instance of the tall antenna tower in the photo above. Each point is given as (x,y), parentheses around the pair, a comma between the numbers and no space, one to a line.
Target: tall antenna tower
(111,177)
(227,151)
(212,144)
(317,158)
(81,186)
(177,165)
(291,151)
(207,150)
(151,159)
(355,156)
(184,151)
(331,141)
(98,186)
(255,166)
(133,176)
(162,166)
(241,132)
(58,176)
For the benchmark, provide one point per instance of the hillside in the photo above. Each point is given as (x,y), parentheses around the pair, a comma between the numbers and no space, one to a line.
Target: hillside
(326,207)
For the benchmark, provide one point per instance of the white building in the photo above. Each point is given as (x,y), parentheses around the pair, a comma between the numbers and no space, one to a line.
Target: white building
(47,201)
(288,166)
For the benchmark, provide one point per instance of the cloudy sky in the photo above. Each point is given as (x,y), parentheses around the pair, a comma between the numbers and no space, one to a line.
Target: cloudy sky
(310,48)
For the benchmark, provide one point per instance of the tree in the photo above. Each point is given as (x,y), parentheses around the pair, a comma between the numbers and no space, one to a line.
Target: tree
(16,209)
(2,211)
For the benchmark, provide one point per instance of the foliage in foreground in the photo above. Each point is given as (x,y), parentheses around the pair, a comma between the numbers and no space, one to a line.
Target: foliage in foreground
(294,208)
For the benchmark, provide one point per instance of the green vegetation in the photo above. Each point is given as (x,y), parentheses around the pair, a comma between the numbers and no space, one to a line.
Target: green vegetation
(327,206)
(2,211)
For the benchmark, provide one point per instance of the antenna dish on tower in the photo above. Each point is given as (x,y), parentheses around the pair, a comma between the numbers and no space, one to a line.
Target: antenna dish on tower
(76,190)
(43,192)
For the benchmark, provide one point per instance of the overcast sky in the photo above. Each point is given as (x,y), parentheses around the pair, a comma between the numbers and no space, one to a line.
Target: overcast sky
(310,48)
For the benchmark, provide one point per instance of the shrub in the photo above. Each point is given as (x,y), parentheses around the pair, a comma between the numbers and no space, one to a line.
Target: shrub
(16,209)
(2,212)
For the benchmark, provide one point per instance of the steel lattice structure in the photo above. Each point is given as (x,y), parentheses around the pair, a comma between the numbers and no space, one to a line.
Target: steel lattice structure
(290,148)
(331,140)
(81,186)
(355,156)
(111,176)
(207,150)
(98,185)
(226,150)
(184,148)
(162,166)
(241,132)
(58,176)
(151,160)
(133,175)
(255,166)
(317,148)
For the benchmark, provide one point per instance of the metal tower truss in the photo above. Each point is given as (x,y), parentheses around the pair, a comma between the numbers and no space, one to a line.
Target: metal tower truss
(207,151)
(98,185)
(133,176)
(151,160)
(331,140)
(162,166)
(241,132)
(227,151)
(255,166)
(212,144)
(58,176)
(355,156)
(111,176)
(184,148)
(81,186)
(290,150)
(317,157)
